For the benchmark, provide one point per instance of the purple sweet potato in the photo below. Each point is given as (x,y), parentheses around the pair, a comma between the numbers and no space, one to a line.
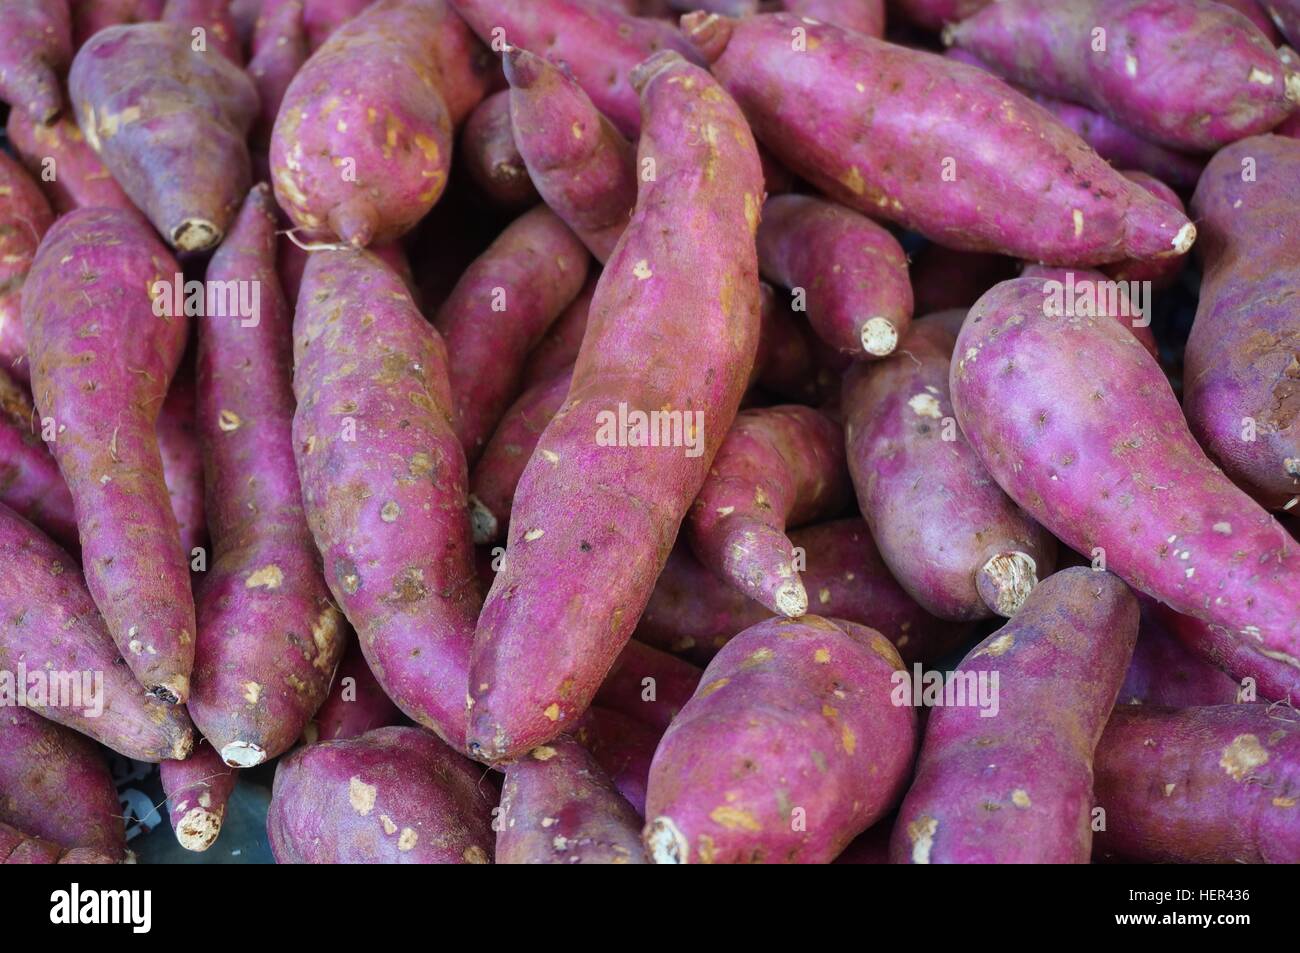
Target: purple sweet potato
(269,637)
(927,142)
(559,807)
(582,166)
(790,748)
(35,49)
(1241,380)
(558,349)
(1085,289)
(499,311)
(648,685)
(489,153)
(1286,16)
(356,703)
(861,16)
(731,8)
(1105,461)
(623,747)
(91,16)
(933,14)
(1164,672)
(49,623)
(1253,12)
(68,169)
(208,22)
(25,217)
(788,363)
(596,499)
(55,784)
(1269,679)
(392,796)
(1218,784)
(852,271)
(30,482)
(384,481)
(19,847)
(182,463)
(323,17)
(778,467)
(948,533)
(278,52)
(1016,786)
(103,350)
(197,790)
(1161,272)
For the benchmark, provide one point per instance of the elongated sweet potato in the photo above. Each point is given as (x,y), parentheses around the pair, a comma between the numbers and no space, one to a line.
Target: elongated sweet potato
(182,463)
(103,350)
(1241,385)
(1164,672)
(278,51)
(790,748)
(1016,786)
(68,170)
(489,153)
(394,795)
(648,685)
(623,747)
(30,482)
(19,847)
(601,498)
(356,703)
(1106,461)
(932,150)
(384,481)
(788,364)
(1161,272)
(582,166)
(1269,679)
(198,790)
(209,24)
(861,16)
(1218,784)
(25,217)
(35,49)
(48,623)
(951,537)
(557,351)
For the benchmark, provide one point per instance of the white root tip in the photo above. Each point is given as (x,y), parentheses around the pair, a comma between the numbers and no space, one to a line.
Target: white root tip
(1006,581)
(1185,239)
(1293,87)
(198,829)
(243,754)
(482,522)
(791,599)
(665,843)
(195,234)
(879,337)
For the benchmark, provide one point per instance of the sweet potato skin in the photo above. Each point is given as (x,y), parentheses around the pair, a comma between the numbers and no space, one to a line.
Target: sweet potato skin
(19,847)
(558,349)
(394,795)
(1286,17)
(623,747)
(79,178)
(609,513)
(356,703)
(35,49)
(489,153)
(1017,788)
(1087,281)
(323,17)
(182,463)
(1161,272)
(648,685)
(861,16)
(792,713)
(214,18)
(197,790)
(1240,362)
(25,217)
(91,16)
(279,49)
(1164,672)
(30,482)
(933,14)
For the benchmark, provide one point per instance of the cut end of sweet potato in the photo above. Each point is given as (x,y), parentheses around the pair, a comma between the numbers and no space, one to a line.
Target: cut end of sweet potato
(243,754)
(174,690)
(198,829)
(1293,87)
(665,843)
(195,234)
(1006,580)
(1185,239)
(791,599)
(879,337)
(647,70)
(709,32)
(482,522)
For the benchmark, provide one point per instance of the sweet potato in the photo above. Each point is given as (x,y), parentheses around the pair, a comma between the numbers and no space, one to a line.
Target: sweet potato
(933,14)
(1161,272)
(182,463)
(54,784)
(1269,679)
(1286,16)
(25,217)
(1241,383)
(1164,672)
(1221,81)
(394,795)
(861,16)
(558,349)
(323,17)
(35,49)
(488,150)
(788,363)
(91,16)
(731,8)
(1218,784)
(48,623)
(1107,461)
(18,847)
(943,279)
(1253,12)
(948,533)
(68,169)
(1085,288)
(559,807)
(356,703)
(607,510)
(932,151)
(790,748)
(197,790)
(1017,787)
(384,481)
(30,482)
(103,350)
(581,164)
(278,52)
(623,747)
(269,638)
(648,685)
(209,21)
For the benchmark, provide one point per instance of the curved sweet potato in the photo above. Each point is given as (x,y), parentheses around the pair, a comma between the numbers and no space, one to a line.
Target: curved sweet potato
(623,747)
(356,703)
(557,351)
(278,51)
(182,462)
(648,685)
(1164,672)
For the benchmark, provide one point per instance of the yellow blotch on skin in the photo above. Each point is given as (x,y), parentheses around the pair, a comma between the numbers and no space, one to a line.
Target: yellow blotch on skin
(1020,797)
(853,181)
(268,577)
(361,795)
(921,833)
(712,687)
(999,646)
(407,840)
(552,711)
(543,753)
(1243,756)
(848,739)
(642,270)
(734,818)
(822,656)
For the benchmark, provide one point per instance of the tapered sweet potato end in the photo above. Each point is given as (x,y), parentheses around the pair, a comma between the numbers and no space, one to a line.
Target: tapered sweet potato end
(709,32)
(1006,580)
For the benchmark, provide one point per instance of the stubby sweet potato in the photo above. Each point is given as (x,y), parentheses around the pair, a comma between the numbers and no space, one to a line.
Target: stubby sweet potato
(1016,787)
(1106,461)
(182,463)
(790,748)
(948,533)
(648,685)
(356,703)
(623,747)
(278,51)
(384,481)
(103,350)
(68,169)
(598,506)
(25,217)
(19,847)
(926,142)
(392,796)
(557,351)
(197,791)
(489,153)
(208,22)
(1218,784)
(581,164)
(30,482)
(1241,382)
(1164,672)
(861,16)
(35,49)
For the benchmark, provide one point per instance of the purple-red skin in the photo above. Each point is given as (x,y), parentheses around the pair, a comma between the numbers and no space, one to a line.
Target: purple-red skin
(558,349)
(559,807)
(1254,12)
(323,17)
(1101,285)
(102,360)
(392,796)
(269,637)
(244,14)
(852,270)
(788,364)
(35,50)
(356,703)
(384,481)
(948,533)
(1268,679)
(648,685)
(30,482)
(19,847)
(1106,460)
(778,467)
(1217,784)
(197,791)
(278,51)
(1161,272)
(49,622)
(792,715)
(609,514)
(25,217)
(468,70)
(1286,17)
(861,16)
(488,150)
(79,179)
(1243,356)
(1017,787)
(934,14)
(214,18)
(582,166)
(1024,184)
(291,262)
(943,279)
(871,847)
(91,16)
(623,747)
(499,311)
(1220,82)
(182,461)
(1164,672)
(55,784)
(599,45)
(730,8)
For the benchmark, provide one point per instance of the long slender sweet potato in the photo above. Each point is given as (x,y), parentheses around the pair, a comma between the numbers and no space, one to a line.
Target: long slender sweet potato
(557,351)
(197,790)
(208,21)
(279,49)
(356,703)
(926,142)
(35,49)
(790,748)
(394,796)
(1016,787)
(1106,461)
(19,847)
(1269,679)
(599,500)
(623,747)
(25,217)
(582,166)
(1164,672)
(490,155)
(648,685)
(182,463)
(384,481)
(30,482)
(1218,784)
(60,158)
(103,350)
